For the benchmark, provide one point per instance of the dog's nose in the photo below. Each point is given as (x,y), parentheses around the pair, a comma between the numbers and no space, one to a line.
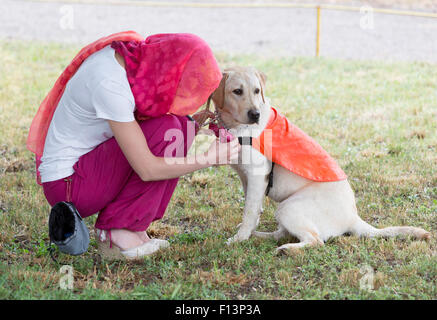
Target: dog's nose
(253,115)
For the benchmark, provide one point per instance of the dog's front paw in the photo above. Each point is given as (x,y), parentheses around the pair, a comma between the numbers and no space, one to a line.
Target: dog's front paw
(240,236)
(231,241)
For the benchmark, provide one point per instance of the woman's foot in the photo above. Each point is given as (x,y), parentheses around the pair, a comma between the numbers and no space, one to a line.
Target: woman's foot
(125,239)
(143,235)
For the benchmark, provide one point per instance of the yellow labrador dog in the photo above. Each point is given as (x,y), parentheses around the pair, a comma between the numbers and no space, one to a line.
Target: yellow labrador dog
(311,211)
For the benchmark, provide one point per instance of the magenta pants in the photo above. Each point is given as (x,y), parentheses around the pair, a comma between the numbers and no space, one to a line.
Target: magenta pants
(104,182)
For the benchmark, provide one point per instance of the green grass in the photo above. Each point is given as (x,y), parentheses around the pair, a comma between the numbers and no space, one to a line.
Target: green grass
(378,119)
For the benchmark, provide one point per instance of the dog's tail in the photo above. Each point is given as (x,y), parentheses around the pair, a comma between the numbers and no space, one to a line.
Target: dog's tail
(363,229)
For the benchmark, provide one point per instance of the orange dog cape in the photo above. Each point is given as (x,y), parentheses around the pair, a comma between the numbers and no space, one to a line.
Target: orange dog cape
(287,145)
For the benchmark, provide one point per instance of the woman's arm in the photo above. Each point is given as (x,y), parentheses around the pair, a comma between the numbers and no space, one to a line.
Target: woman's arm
(149,167)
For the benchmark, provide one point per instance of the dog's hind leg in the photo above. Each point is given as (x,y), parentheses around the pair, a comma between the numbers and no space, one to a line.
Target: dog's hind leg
(294,215)
(278,234)
(307,238)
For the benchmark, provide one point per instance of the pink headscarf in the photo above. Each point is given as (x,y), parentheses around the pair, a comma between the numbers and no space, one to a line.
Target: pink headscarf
(169,73)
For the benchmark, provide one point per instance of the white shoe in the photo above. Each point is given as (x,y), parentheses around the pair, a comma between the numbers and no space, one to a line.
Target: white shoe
(112,252)
(146,249)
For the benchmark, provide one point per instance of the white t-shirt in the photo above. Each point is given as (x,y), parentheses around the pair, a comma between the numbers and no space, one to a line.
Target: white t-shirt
(99,91)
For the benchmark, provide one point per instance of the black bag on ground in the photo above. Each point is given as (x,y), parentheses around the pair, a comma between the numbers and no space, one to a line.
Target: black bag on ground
(67,229)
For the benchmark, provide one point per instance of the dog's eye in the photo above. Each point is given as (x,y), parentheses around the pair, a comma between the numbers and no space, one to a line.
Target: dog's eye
(256,91)
(238,92)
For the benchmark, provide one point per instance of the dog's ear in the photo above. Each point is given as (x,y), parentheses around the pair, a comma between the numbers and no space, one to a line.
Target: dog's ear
(218,96)
(262,80)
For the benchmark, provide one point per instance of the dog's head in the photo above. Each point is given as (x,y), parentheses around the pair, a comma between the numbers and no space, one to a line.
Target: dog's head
(240,96)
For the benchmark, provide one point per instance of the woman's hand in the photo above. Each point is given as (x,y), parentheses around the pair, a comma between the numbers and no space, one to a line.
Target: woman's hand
(132,142)
(220,153)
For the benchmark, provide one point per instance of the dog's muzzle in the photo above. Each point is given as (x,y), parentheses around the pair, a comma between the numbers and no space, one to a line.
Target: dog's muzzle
(253,115)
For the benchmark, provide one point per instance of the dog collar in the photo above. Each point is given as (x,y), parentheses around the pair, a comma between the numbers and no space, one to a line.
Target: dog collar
(219,120)
(245,141)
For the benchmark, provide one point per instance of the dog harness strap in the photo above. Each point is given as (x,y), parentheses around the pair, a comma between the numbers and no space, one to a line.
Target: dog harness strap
(270,184)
